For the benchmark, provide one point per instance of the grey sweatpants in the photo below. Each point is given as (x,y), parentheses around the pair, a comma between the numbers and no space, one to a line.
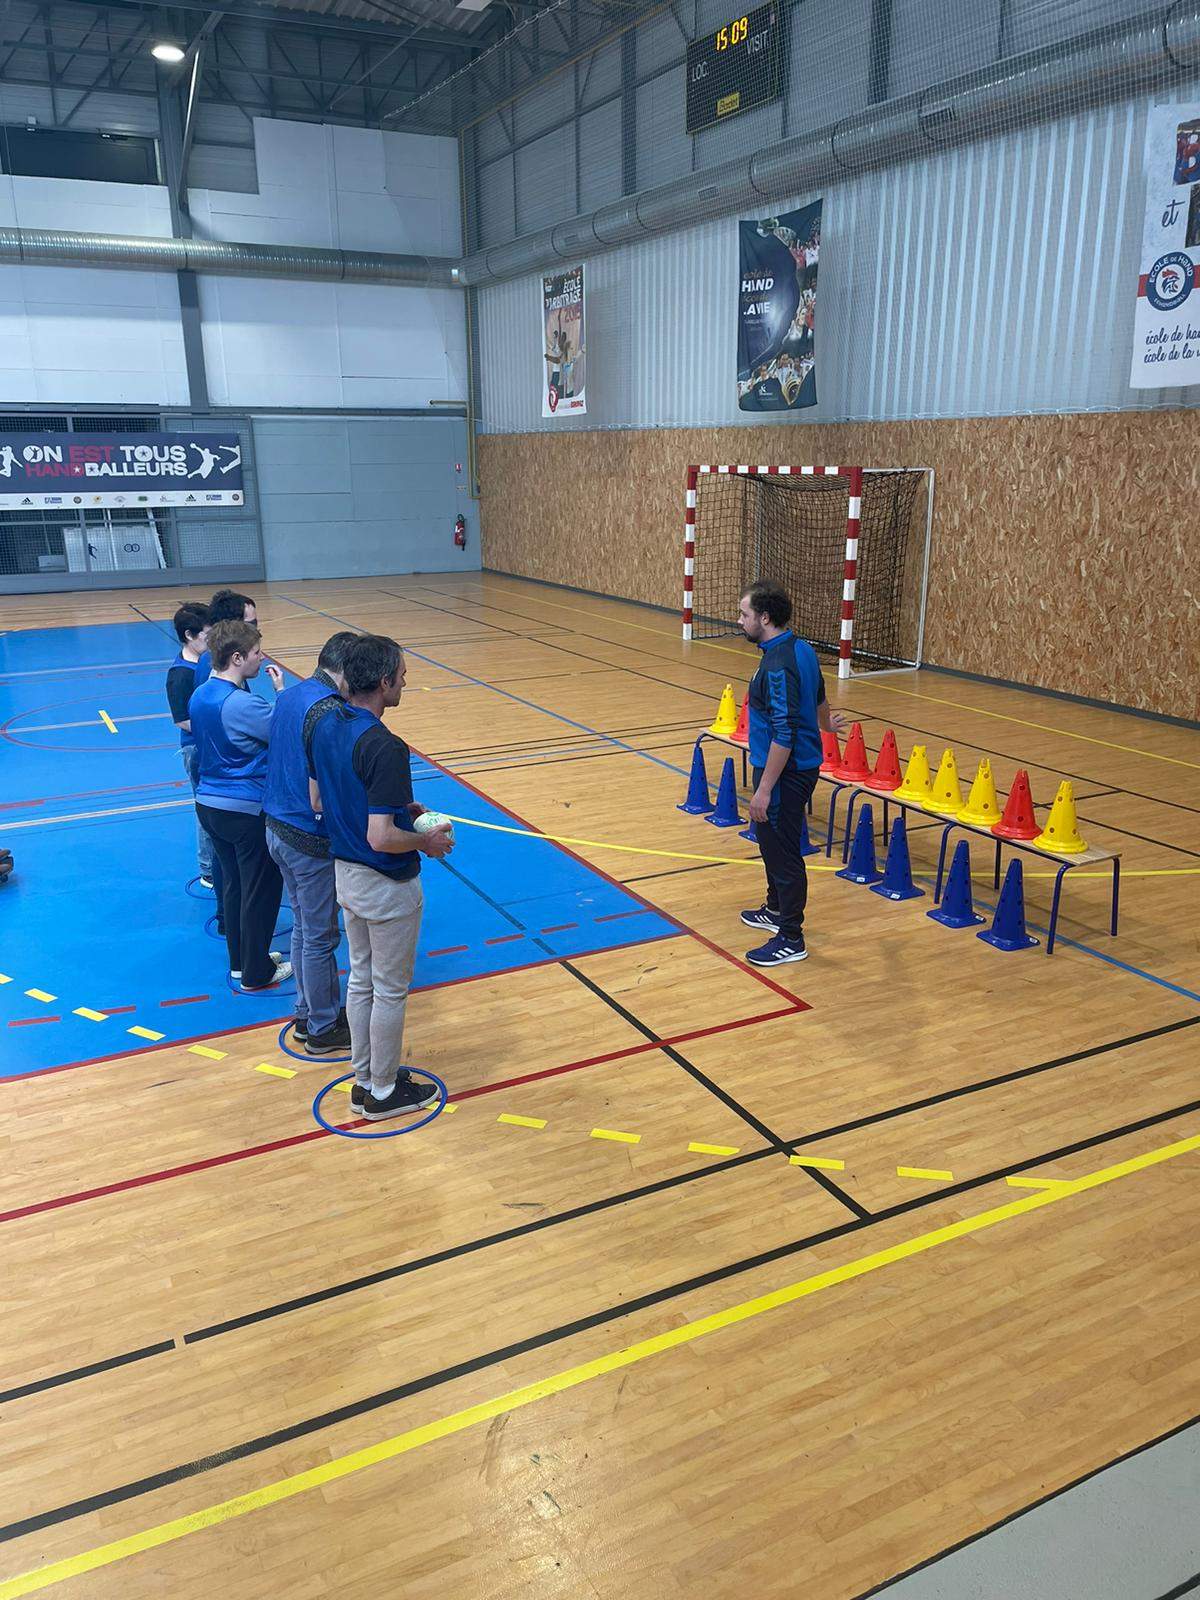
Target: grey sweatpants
(383,918)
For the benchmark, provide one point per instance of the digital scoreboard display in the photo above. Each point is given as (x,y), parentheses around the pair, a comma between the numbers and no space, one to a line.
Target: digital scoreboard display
(735,69)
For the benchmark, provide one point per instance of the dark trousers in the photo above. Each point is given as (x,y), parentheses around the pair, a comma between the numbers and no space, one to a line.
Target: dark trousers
(253,891)
(779,841)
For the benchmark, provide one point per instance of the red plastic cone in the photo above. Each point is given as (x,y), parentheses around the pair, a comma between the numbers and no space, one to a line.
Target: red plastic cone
(1018,821)
(831,755)
(853,767)
(886,775)
(741,734)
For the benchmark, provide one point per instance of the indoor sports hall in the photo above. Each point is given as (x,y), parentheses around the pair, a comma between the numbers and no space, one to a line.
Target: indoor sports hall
(599,800)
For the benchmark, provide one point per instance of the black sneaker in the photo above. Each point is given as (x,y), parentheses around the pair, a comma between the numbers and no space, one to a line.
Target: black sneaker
(408,1095)
(358,1098)
(328,1042)
(764,917)
(777,951)
(300,1029)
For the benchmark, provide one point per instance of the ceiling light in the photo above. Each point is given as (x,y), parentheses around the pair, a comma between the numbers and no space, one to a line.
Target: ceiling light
(167,52)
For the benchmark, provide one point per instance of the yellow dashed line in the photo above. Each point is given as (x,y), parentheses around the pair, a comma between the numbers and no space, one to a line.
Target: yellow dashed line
(714,1149)
(275,1072)
(4,978)
(108,722)
(1038,1183)
(821,1163)
(40,994)
(203,1050)
(448,1107)
(342,1088)
(617,1138)
(146,1033)
(931,1174)
(92,1016)
(521,1122)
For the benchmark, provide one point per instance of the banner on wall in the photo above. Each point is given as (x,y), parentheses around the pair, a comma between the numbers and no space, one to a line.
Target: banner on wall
(1166,327)
(777,305)
(564,389)
(78,471)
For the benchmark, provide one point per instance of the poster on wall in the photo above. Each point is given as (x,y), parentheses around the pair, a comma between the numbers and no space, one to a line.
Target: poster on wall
(78,471)
(777,305)
(1166,327)
(564,388)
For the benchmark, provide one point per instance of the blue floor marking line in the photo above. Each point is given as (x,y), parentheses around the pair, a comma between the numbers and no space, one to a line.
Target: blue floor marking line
(1112,961)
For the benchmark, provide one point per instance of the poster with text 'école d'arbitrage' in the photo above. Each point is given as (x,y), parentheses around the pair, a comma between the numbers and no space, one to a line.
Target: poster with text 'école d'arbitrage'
(564,387)
(1166,329)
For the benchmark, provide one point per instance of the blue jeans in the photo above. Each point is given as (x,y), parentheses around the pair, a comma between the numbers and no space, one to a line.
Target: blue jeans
(204,845)
(312,891)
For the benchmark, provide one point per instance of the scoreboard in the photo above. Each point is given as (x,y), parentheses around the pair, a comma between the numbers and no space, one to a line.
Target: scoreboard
(735,69)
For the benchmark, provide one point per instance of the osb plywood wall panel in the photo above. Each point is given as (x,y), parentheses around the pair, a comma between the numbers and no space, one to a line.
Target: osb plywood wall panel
(1065,548)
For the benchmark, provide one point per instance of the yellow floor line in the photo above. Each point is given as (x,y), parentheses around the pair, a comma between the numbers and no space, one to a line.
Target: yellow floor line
(275,1072)
(714,1149)
(888,688)
(145,1033)
(108,722)
(1038,1183)
(521,1122)
(413,1438)
(40,994)
(92,1016)
(615,1136)
(820,1163)
(931,1174)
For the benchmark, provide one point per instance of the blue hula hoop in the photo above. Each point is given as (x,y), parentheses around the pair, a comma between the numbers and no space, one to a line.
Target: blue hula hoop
(390,1133)
(303,1055)
(210,928)
(192,893)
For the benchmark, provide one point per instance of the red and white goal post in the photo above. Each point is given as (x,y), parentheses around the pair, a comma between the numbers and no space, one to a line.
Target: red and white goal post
(854,480)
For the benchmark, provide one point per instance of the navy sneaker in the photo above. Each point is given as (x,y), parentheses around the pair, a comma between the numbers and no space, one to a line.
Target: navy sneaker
(300,1029)
(764,917)
(408,1095)
(777,951)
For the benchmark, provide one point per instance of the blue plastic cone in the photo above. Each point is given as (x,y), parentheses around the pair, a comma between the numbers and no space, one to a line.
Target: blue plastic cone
(726,813)
(749,833)
(1007,931)
(697,803)
(897,869)
(956,909)
(862,868)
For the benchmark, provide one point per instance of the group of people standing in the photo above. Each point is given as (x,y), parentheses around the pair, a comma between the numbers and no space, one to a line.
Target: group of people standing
(313,793)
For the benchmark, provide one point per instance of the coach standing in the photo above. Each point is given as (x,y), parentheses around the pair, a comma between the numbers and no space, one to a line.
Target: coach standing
(788,713)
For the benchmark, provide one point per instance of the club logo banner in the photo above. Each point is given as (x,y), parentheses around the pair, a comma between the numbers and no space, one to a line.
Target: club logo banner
(1166,326)
(777,306)
(564,392)
(41,471)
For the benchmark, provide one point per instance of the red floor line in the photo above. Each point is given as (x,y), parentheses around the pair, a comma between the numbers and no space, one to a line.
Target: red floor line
(450,950)
(230,1156)
(31,1022)
(117,1011)
(185,1000)
(277,1022)
(615,916)
(88,794)
(559,927)
(505,938)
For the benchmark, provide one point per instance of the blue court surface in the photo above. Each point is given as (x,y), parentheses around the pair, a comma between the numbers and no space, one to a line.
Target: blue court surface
(98,932)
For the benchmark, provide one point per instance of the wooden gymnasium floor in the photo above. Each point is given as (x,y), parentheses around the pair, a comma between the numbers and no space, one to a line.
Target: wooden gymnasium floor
(507,1356)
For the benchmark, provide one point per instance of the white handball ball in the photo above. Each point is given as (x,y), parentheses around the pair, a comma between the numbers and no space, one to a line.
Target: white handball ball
(433,819)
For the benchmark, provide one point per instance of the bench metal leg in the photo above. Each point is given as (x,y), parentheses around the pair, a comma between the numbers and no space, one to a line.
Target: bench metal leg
(1116,896)
(996,868)
(941,866)
(1058,883)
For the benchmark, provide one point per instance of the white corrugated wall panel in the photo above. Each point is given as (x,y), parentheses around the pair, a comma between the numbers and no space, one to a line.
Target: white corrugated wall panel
(996,278)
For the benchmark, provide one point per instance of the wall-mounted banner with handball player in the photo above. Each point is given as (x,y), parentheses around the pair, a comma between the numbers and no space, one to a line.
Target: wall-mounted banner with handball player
(1166,328)
(777,305)
(564,392)
(41,471)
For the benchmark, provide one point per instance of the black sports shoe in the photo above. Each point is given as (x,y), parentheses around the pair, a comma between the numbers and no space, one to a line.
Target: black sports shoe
(408,1095)
(764,917)
(328,1042)
(778,951)
(358,1098)
(300,1029)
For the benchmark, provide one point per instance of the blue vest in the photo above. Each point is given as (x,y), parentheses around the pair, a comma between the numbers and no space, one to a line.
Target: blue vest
(286,797)
(203,668)
(225,770)
(185,738)
(345,798)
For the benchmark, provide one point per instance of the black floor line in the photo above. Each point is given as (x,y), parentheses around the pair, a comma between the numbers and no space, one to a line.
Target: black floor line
(559,761)
(1036,1505)
(1188,1586)
(515,746)
(520,1230)
(374,1402)
(676,872)
(726,1099)
(56,1380)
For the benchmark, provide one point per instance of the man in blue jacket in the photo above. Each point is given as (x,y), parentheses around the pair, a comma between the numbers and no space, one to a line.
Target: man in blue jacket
(299,846)
(788,714)
(232,729)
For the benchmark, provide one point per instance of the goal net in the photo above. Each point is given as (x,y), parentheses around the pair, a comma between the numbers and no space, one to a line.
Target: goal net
(849,544)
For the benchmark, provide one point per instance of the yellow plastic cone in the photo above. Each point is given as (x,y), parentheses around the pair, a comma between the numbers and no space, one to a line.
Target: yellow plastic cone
(727,714)
(946,798)
(917,785)
(982,808)
(1061,833)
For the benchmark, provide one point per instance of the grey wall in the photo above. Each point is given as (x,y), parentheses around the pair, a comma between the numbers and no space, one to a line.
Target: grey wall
(355,496)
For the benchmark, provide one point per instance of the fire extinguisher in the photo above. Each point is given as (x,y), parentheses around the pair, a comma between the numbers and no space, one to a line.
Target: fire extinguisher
(460,532)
